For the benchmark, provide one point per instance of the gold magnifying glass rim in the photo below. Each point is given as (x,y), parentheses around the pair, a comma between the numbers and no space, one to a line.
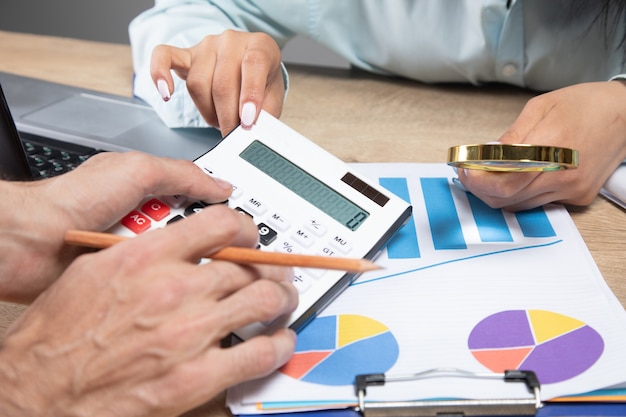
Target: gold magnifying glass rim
(512,157)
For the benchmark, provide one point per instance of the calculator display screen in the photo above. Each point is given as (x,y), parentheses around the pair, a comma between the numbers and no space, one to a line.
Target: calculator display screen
(303,184)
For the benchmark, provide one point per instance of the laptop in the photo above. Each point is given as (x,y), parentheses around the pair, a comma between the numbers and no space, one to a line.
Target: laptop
(51,128)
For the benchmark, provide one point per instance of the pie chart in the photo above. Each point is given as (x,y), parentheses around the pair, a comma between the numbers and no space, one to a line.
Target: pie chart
(554,346)
(332,350)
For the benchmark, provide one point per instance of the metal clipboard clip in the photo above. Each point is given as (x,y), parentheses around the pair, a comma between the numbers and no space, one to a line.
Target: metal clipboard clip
(449,408)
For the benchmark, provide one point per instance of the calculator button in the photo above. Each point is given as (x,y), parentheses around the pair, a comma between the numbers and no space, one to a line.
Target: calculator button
(136,222)
(303,238)
(328,251)
(316,227)
(175,219)
(287,247)
(156,209)
(255,206)
(194,208)
(279,222)
(242,211)
(266,234)
(236,191)
(301,282)
(341,244)
(316,273)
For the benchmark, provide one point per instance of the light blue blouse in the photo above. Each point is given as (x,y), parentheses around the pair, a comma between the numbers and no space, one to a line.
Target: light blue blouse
(536,44)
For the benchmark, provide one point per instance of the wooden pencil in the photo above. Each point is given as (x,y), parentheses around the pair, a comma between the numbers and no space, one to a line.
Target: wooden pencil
(236,254)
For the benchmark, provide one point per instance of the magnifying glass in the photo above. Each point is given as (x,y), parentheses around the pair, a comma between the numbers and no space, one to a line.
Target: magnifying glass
(512,157)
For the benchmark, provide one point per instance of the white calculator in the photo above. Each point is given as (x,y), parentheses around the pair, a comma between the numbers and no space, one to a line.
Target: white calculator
(303,200)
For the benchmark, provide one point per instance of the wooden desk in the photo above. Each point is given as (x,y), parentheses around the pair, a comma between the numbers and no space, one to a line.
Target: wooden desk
(356,116)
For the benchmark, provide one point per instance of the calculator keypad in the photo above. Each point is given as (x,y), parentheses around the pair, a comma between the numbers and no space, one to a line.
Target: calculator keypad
(276,231)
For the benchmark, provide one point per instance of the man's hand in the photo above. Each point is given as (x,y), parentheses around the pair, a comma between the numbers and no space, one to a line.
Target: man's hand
(35,216)
(135,330)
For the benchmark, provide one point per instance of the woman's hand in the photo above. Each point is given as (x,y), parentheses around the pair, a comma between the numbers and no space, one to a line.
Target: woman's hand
(590,118)
(230,77)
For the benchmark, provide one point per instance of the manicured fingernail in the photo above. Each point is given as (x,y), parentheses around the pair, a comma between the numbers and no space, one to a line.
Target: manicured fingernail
(164,90)
(248,113)
(458,184)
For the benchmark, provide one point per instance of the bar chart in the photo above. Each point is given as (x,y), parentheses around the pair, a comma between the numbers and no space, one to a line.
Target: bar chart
(445,225)
(450,225)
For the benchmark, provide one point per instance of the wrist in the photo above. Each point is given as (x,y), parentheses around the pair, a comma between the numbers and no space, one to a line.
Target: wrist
(12,242)
(25,242)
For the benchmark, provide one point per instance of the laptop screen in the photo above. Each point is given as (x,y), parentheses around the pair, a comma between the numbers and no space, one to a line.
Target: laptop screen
(13,162)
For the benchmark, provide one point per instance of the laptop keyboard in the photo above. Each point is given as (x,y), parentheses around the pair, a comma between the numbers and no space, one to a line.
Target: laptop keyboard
(48,157)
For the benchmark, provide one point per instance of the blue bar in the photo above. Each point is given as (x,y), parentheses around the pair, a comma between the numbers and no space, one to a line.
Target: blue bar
(403,245)
(442,215)
(491,223)
(535,223)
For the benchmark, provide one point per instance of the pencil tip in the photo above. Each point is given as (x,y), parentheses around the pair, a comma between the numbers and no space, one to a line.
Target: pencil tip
(369,265)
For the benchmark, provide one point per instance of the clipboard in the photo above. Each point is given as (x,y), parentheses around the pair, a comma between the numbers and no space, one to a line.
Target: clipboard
(527,406)
(519,407)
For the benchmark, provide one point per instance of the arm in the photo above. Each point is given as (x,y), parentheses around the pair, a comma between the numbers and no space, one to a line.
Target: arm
(34,216)
(589,117)
(135,329)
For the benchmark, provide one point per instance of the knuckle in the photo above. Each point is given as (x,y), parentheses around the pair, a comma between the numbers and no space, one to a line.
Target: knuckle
(207,44)
(491,189)
(167,294)
(142,166)
(265,355)
(228,219)
(254,57)
(270,298)
(195,83)
(262,36)
(256,362)
(160,51)
(584,194)
(501,190)
(264,42)
(511,136)
(536,101)
(83,265)
(229,35)
(221,89)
